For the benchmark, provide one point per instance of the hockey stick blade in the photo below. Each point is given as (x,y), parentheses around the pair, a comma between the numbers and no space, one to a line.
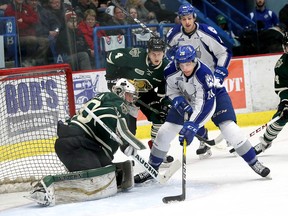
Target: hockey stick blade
(210,143)
(177,198)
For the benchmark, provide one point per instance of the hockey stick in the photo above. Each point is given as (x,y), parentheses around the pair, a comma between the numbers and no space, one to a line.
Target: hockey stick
(182,196)
(135,19)
(259,129)
(154,173)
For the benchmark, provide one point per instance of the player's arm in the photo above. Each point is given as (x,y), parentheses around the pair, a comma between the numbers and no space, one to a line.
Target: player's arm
(205,96)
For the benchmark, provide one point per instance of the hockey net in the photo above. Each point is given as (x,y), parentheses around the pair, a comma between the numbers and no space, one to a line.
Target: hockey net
(32,100)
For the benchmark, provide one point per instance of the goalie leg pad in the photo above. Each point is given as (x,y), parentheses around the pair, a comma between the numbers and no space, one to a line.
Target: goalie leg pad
(124,175)
(75,187)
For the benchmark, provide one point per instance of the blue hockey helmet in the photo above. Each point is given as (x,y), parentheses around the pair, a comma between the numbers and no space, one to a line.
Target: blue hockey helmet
(185,54)
(186,9)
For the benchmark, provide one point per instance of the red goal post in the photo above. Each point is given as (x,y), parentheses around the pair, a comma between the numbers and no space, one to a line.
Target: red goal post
(32,100)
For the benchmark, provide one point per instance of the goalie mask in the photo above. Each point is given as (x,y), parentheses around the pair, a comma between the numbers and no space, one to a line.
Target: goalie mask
(125,89)
(285,43)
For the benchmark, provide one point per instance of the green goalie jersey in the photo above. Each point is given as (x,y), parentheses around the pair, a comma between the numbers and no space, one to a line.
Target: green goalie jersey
(108,107)
(281,77)
(133,63)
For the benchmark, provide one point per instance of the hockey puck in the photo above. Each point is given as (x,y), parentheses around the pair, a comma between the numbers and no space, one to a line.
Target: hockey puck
(169,159)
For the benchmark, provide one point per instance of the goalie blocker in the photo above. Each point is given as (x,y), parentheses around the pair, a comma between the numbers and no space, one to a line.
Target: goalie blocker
(83,185)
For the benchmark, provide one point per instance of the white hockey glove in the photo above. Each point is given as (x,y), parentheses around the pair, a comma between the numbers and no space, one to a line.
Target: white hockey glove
(128,150)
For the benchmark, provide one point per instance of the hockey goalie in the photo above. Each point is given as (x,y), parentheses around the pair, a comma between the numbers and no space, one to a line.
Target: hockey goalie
(87,150)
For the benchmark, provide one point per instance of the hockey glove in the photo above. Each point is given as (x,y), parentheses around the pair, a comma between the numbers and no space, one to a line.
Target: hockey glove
(188,132)
(220,74)
(170,53)
(128,150)
(283,108)
(159,116)
(181,105)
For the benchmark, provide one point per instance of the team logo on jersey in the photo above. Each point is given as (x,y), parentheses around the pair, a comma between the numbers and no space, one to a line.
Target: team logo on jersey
(135,52)
(209,80)
(124,108)
(279,63)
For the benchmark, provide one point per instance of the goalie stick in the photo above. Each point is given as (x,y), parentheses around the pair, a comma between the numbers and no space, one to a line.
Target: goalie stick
(259,129)
(154,173)
(182,196)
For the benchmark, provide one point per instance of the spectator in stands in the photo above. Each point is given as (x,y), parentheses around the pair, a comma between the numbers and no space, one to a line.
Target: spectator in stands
(3,6)
(86,27)
(283,15)
(72,46)
(101,6)
(162,15)
(263,17)
(32,49)
(142,13)
(223,24)
(48,27)
(84,5)
(117,19)
(58,8)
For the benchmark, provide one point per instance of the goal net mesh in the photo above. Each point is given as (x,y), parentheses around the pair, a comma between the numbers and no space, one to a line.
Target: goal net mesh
(31,103)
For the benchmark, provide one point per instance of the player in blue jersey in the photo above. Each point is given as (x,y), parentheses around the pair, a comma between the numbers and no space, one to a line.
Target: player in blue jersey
(209,47)
(263,17)
(192,89)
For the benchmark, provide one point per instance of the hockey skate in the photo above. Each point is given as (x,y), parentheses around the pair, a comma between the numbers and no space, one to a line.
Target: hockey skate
(262,146)
(142,177)
(261,169)
(203,151)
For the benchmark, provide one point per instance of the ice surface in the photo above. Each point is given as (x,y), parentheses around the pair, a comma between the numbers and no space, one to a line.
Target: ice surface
(221,185)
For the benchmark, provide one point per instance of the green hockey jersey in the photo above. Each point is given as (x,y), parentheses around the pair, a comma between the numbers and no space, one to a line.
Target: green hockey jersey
(108,107)
(281,77)
(133,63)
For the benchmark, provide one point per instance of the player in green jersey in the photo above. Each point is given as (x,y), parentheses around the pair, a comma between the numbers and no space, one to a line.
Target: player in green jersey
(145,67)
(281,89)
(83,143)
(86,145)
